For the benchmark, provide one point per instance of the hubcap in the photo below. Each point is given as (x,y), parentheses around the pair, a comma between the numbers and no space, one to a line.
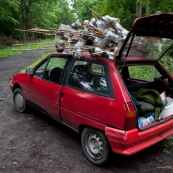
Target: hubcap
(19,101)
(94,146)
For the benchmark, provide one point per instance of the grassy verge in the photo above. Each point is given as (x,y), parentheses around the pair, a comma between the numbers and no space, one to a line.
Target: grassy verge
(166,145)
(14,50)
(1,98)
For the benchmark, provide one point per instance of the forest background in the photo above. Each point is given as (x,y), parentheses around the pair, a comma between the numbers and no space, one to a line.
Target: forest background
(49,14)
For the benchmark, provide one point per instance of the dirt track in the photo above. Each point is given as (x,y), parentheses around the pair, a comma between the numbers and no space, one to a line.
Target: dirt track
(34,143)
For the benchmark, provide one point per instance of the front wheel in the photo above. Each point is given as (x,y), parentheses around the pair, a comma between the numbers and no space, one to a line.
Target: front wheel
(95,146)
(19,100)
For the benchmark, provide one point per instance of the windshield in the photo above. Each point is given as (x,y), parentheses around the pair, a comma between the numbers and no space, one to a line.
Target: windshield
(152,47)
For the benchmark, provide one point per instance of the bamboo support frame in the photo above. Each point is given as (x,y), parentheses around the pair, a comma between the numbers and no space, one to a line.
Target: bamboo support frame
(32,49)
(36,31)
(32,43)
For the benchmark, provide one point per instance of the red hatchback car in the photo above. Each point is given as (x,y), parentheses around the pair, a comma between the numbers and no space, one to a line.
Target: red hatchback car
(123,105)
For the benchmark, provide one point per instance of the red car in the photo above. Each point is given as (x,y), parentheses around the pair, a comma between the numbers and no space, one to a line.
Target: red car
(123,105)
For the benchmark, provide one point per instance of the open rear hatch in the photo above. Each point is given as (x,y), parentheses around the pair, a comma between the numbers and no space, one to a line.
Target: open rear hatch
(155,26)
(149,40)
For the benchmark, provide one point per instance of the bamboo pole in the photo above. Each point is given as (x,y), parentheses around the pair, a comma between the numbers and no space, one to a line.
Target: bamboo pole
(33,43)
(67,30)
(96,14)
(100,17)
(97,53)
(32,49)
(39,32)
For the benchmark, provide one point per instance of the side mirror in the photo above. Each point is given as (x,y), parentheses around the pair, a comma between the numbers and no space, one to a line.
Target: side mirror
(30,71)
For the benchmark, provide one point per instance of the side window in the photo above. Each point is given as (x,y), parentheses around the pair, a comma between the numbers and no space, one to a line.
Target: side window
(143,72)
(51,69)
(39,72)
(96,68)
(88,76)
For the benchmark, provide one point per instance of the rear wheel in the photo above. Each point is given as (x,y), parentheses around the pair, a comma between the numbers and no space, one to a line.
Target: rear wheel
(19,100)
(95,146)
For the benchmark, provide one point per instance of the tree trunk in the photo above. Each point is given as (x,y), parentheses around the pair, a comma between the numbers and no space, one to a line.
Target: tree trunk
(147,7)
(24,12)
(22,4)
(138,9)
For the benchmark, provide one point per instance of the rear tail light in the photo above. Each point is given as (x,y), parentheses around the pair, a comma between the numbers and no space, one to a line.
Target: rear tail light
(131,119)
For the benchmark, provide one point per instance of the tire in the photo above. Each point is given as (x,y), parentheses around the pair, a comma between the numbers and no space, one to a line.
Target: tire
(19,100)
(95,146)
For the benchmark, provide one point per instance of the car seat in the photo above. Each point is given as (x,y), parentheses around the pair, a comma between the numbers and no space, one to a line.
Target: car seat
(55,74)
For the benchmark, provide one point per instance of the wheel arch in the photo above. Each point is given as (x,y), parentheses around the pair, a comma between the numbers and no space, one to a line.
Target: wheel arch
(16,85)
(83,126)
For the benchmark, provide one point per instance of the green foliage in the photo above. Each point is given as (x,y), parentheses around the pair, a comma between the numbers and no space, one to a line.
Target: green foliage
(7,7)
(26,14)
(1,98)
(143,72)
(167,62)
(167,59)
(64,14)
(8,21)
(50,13)
(82,12)
(126,10)
(166,145)
(164,6)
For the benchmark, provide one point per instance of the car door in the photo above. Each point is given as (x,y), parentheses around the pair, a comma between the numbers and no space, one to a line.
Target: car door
(44,87)
(87,93)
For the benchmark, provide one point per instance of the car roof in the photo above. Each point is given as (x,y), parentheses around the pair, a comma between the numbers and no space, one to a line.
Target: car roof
(85,56)
(157,25)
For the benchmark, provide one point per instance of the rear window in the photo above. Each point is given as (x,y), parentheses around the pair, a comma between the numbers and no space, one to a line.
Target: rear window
(152,47)
(143,72)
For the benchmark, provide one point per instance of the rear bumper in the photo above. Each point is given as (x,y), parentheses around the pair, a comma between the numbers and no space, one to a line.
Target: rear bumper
(133,141)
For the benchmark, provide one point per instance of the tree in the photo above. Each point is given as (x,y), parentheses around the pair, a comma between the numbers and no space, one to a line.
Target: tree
(164,6)
(7,20)
(125,10)
(25,10)
(82,12)
(28,14)
(45,14)
(64,14)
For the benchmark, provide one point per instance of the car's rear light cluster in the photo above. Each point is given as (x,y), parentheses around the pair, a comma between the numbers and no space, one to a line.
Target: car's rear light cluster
(131,119)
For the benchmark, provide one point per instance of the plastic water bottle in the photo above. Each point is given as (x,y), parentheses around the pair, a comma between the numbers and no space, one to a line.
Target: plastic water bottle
(150,118)
(142,122)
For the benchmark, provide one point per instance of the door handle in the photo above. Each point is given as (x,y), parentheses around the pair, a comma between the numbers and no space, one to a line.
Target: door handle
(57,92)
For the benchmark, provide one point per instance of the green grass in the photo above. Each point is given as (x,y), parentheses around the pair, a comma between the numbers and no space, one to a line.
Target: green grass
(1,98)
(166,145)
(9,51)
